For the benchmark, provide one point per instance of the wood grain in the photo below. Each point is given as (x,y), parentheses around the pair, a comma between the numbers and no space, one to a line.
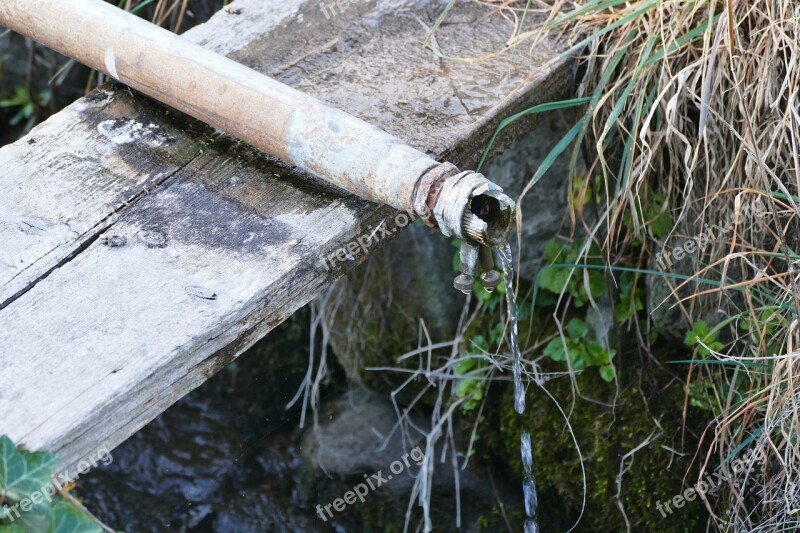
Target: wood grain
(143,251)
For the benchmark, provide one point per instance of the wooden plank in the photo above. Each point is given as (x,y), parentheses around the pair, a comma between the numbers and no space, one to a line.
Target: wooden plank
(166,310)
(65,182)
(99,339)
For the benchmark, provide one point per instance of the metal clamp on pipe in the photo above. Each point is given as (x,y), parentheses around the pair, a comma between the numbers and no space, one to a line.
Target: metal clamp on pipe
(276,119)
(467,206)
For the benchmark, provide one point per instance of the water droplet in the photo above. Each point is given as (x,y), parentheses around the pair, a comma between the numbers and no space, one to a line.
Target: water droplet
(527,455)
(531,498)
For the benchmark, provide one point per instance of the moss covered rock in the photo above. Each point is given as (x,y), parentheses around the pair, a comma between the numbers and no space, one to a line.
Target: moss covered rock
(377,310)
(634,451)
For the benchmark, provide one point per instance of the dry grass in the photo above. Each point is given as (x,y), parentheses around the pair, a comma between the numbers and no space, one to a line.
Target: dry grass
(694,107)
(691,108)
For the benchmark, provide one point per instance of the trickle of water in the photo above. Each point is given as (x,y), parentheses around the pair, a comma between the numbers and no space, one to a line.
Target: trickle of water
(528,482)
(506,260)
(531,526)
(526,451)
(531,499)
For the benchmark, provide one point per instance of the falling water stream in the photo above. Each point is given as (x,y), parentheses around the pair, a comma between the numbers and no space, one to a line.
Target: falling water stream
(528,481)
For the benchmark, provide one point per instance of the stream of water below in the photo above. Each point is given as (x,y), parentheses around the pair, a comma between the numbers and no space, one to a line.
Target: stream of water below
(528,482)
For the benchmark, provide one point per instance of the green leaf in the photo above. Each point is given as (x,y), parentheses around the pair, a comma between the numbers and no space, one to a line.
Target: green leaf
(464,387)
(631,298)
(36,519)
(699,332)
(21,97)
(23,473)
(544,299)
(480,343)
(555,350)
(541,108)
(746,442)
(66,518)
(577,329)
(597,284)
(555,280)
(607,373)
(661,225)
(465,365)
(597,352)
(623,312)
(12,528)
(578,356)
(553,249)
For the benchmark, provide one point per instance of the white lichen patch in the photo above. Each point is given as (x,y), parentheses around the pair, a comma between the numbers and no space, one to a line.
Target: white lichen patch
(122,131)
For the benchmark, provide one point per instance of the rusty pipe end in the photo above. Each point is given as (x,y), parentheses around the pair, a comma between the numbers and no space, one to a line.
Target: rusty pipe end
(465,205)
(489,217)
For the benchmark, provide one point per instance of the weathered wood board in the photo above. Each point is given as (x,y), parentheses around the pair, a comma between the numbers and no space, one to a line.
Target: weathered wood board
(141,251)
(66,181)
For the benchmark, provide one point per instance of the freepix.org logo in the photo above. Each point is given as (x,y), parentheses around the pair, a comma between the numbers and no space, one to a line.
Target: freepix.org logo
(371,483)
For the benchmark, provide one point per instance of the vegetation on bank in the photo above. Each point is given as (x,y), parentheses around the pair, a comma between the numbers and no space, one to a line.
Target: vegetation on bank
(687,123)
(666,348)
(32,498)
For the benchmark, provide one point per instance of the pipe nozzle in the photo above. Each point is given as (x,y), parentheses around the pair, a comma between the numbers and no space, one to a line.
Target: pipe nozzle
(488,218)
(475,210)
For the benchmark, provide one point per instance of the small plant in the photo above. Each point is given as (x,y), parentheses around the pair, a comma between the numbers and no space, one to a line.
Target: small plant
(701,394)
(703,338)
(26,102)
(581,352)
(655,217)
(631,298)
(473,384)
(470,387)
(578,283)
(764,329)
(27,501)
(586,191)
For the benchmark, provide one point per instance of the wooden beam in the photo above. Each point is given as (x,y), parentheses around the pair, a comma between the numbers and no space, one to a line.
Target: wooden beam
(148,251)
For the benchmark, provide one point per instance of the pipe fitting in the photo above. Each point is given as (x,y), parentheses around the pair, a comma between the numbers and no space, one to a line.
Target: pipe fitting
(468,259)
(464,205)
(473,209)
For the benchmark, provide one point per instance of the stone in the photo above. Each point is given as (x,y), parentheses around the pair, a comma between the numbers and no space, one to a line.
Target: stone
(358,439)
(544,207)
(376,311)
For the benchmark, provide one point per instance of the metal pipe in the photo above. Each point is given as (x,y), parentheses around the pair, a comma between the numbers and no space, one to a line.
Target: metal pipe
(267,114)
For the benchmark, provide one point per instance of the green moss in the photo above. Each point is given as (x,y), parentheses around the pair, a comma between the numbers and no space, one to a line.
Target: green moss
(605,435)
